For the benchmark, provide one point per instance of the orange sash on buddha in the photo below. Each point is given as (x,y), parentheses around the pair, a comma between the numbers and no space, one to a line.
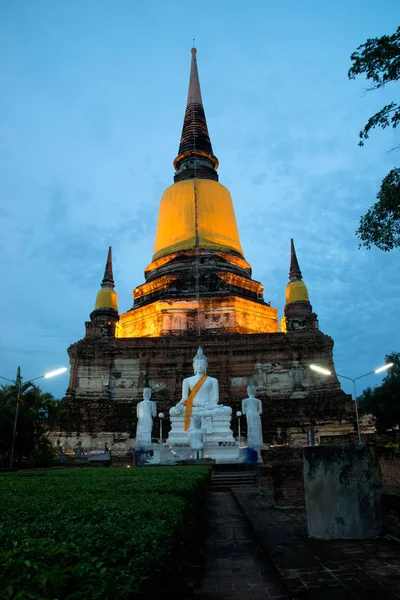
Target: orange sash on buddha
(189,402)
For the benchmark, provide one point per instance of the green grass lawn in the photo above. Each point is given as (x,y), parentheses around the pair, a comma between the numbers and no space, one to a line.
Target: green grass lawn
(95,533)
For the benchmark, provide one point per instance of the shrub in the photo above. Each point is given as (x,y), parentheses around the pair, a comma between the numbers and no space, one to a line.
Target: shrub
(94,533)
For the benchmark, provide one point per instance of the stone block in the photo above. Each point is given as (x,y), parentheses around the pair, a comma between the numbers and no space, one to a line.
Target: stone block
(342,485)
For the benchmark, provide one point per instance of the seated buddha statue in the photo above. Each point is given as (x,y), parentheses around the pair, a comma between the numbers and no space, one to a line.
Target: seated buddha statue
(200,396)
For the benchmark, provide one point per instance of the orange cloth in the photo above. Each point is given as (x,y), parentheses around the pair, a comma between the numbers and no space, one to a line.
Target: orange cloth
(189,402)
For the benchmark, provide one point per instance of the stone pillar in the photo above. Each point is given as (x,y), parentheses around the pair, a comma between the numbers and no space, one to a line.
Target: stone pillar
(342,485)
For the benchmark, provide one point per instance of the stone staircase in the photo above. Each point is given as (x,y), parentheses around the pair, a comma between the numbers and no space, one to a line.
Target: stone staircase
(224,479)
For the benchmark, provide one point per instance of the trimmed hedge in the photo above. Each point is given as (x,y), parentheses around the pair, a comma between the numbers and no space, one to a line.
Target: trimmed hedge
(95,533)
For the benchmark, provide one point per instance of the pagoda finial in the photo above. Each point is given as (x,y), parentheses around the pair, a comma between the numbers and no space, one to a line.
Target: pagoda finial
(195,156)
(108,279)
(294,273)
(194,93)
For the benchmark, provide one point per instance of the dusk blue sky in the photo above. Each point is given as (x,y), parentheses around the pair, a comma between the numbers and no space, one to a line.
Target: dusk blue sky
(91,110)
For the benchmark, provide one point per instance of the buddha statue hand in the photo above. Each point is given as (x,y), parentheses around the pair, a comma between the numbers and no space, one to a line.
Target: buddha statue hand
(177,409)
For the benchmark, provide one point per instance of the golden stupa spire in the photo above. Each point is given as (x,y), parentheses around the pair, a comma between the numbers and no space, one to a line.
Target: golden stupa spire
(196,212)
(296,290)
(294,272)
(195,156)
(106,297)
(194,93)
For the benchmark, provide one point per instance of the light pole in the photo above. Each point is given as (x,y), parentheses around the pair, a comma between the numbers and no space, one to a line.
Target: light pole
(239,414)
(161,416)
(323,371)
(18,384)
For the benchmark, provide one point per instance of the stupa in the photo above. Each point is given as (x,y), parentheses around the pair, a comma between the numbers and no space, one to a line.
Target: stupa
(199,291)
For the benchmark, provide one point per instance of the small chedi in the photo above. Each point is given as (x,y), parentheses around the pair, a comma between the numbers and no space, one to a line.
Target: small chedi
(200,403)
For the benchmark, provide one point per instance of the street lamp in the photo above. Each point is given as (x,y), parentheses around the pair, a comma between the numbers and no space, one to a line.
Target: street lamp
(161,416)
(239,414)
(18,384)
(323,371)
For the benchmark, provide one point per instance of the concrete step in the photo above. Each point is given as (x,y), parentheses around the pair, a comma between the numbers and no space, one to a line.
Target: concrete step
(229,479)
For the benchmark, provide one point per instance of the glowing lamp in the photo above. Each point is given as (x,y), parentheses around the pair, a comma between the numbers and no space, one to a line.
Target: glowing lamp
(56,372)
(384,368)
(320,370)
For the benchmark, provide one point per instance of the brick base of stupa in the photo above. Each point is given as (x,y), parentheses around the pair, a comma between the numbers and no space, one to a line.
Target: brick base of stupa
(108,375)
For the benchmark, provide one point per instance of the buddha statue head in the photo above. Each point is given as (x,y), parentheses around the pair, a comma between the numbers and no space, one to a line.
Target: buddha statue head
(146,393)
(251,390)
(200,362)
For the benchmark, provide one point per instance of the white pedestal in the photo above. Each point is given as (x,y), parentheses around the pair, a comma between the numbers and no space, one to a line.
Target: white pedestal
(220,444)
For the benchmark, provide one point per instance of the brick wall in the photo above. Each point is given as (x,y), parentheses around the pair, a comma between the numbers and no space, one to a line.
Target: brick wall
(288,486)
(108,375)
(391,512)
(390,469)
(281,476)
(374,439)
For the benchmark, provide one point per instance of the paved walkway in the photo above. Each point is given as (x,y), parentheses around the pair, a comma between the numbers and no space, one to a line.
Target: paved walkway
(331,570)
(235,566)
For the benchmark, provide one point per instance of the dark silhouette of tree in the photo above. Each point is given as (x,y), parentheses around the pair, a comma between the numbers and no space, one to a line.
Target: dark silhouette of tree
(383,401)
(379,60)
(36,415)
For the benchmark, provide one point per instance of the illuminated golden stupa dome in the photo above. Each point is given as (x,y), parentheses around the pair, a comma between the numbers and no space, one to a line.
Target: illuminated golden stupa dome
(196,213)
(106,297)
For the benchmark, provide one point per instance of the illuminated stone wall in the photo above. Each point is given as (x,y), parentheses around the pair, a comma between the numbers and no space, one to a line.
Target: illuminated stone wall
(227,315)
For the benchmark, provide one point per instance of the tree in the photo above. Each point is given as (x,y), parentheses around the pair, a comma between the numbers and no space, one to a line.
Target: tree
(384,401)
(37,413)
(379,60)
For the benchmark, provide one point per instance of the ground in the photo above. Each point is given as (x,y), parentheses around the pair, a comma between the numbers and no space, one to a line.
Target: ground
(256,551)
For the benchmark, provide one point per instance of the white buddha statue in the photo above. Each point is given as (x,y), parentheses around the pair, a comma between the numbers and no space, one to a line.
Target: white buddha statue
(145,410)
(200,396)
(252,408)
(197,437)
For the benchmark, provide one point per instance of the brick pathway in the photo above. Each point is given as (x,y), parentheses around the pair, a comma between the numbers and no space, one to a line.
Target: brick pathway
(332,570)
(235,566)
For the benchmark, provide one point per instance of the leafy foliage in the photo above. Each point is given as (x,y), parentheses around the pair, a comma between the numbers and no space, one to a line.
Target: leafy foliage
(380,226)
(394,447)
(36,415)
(379,60)
(94,533)
(384,401)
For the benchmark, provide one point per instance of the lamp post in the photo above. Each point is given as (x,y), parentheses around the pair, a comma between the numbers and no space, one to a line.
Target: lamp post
(324,371)
(239,414)
(18,384)
(161,416)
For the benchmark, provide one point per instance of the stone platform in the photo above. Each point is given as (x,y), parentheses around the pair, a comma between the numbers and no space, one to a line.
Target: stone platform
(221,452)
(320,569)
